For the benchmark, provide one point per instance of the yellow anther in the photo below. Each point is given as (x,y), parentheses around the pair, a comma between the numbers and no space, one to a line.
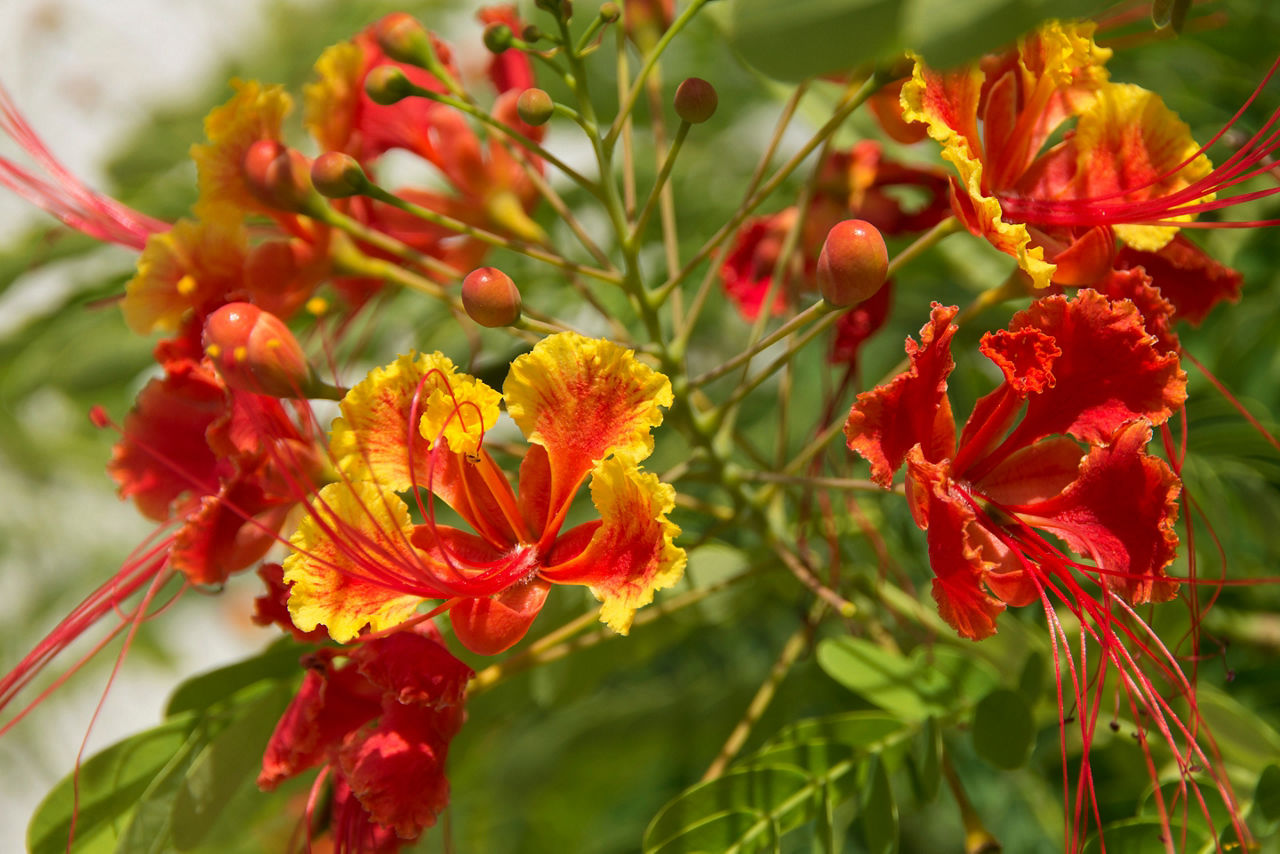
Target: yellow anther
(187,285)
(317,305)
(213,351)
(240,353)
(274,344)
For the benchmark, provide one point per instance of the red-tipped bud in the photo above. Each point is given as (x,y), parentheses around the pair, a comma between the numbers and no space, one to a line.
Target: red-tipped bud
(497,37)
(404,39)
(696,100)
(254,351)
(387,85)
(98,416)
(534,107)
(853,264)
(609,12)
(490,297)
(338,175)
(278,176)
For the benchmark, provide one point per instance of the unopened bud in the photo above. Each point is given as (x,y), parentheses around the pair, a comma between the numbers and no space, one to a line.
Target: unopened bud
(609,12)
(853,264)
(254,351)
(404,39)
(338,175)
(534,107)
(531,34)
(278,176)
(490,297)
(696,100)
(387,85)
(497,37)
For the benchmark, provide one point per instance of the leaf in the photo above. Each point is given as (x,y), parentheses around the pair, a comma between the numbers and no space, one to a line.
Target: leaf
(807,38)
(745,807)
(1242,737)
(110,784)
(935,681)
(1003,729)
(152,821)
(223,767)
(879,818)
(947,33)
(926,770)
(277,662)
(1031,680)
(1266,799)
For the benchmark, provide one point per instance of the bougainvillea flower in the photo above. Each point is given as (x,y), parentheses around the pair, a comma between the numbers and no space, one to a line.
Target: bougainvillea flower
(380,723)
(1129,167)
(586,406)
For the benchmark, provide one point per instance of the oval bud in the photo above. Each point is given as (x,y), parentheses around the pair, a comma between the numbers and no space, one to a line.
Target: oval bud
(609,12)
(403,38)
(497,37)
(696,100)
(387,85)
(254,351)
(278,176)
(490,297)
(534,107)
(853,264)
(338,175)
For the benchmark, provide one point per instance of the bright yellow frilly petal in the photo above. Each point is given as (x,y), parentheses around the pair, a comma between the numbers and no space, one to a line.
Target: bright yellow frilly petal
(344,551)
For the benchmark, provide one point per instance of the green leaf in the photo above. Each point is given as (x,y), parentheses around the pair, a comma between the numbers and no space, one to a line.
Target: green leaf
(149,830)
(1266,799)
(1243,738)
(228,762)
(278,662)
(1003,729)
(746,807)
(1138,836)
(947,33)
(807,38)
(1031,680)
(926,769)
(109,785)
(935,681)
(879,817)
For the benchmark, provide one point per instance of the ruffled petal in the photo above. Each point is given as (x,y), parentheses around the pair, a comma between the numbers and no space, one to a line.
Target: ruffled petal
(1130,146)
(189,269)
(254,113)
(353,564)
(1110,370)
(584,400)
(958,565)
(1120,511)
(886,422)
(632,553)
(373,438)
(414,667)
(1186,276)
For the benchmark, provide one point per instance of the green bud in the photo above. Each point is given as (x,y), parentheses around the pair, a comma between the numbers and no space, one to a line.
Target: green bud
(534,107)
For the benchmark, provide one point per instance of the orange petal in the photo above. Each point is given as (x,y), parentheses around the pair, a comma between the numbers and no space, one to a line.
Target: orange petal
(583,400)
(631,554)
(191,267)
(256,112)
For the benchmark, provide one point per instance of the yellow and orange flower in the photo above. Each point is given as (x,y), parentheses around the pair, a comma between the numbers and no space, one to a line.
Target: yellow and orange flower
(586,407)
(1129,167)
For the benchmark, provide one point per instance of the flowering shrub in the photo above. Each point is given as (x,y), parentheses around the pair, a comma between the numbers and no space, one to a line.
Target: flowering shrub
(538,460)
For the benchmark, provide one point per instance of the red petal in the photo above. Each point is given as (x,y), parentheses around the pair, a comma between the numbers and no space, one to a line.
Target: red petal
(1186,276)
(414,667)
(886,422)
(490,625)
(1120,511)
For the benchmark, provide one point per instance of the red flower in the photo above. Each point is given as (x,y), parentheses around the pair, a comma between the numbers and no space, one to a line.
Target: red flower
(381,723)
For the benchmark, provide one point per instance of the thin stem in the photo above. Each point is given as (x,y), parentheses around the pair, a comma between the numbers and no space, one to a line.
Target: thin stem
(846,483)
(386,243)
(660,184)
(790,654)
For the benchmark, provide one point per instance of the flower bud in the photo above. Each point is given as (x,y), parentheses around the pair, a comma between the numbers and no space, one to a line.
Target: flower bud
(647,20)
(490,297)
(404,39)
(338,175)
(531,34)
(387,85)
(853,263)
(696,100)
(534,107)
(609,12)
(278,176)
(497,37)
(254,351)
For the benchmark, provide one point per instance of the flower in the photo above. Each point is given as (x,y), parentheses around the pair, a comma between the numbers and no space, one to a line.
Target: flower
(380,723)
(586,406)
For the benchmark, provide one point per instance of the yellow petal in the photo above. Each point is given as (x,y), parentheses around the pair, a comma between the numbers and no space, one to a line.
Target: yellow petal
(347,552)
(330,102)
(182,269)
(255,112)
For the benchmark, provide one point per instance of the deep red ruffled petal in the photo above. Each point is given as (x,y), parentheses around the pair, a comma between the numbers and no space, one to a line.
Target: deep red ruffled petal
(1187,277)
(1157,312)
(1120,511)
(1025,357)
(886,422)
(414,667)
